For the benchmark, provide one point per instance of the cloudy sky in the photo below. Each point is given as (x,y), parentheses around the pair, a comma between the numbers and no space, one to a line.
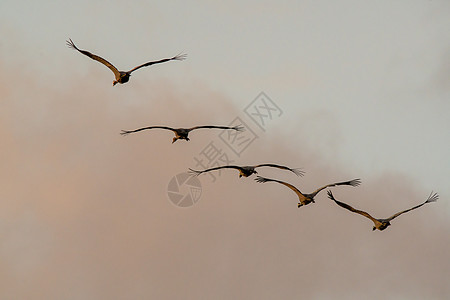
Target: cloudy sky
(355,89)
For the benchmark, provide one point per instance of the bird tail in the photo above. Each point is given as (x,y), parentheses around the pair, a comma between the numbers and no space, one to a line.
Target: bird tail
(432,198)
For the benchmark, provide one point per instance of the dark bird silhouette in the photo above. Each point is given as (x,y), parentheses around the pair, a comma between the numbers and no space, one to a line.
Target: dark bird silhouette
(305,199)
(182,133)
(121,76)
(381,224)
(248,170)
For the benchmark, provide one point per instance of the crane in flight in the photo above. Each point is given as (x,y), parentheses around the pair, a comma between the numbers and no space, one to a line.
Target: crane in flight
(305,199)
(182,133)
(121,76)
(381,224)
(246,171)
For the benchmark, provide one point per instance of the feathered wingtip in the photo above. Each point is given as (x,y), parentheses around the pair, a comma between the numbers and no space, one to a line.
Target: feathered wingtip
(239,128)
(71,44)
(354,182)
(298,172)
(330,195)
(194,172)
(124,132)
(432,198)
(181,56)
(260,179)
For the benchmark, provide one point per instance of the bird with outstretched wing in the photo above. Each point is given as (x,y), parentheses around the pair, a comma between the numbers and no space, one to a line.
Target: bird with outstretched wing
(305,199)
(182,133)
(381,224)
(246,171)
(121,76)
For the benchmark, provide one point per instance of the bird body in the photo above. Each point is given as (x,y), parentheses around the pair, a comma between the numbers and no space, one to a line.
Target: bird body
(381,224)
(121,76)
(246,171)
(305,199)
(182,133)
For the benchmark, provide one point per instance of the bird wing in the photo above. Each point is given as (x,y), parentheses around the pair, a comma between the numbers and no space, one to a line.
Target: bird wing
(195,172)
(177,57)
(125,132)
(237,128)
(116,72)
(297,171)
(346,206)
(432,198)
(263,180)
(354,182)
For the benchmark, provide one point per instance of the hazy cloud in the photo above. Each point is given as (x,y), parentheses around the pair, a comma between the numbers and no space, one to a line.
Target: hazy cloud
(85,212)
